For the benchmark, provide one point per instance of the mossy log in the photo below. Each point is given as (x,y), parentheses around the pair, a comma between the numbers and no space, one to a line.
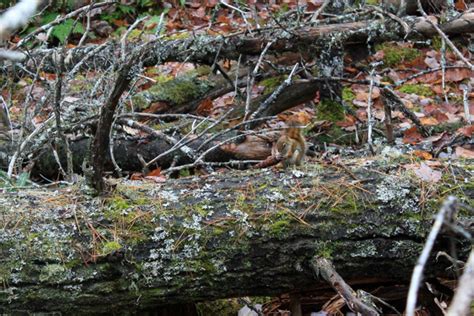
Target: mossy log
(221,235)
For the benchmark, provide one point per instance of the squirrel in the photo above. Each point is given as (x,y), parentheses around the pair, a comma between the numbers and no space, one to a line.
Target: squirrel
(290,148)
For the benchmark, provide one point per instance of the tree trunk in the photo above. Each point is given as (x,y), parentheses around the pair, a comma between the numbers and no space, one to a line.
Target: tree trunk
(228,234)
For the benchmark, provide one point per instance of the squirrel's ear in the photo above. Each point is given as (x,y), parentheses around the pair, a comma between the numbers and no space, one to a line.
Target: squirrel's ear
(302,117)
(283,117)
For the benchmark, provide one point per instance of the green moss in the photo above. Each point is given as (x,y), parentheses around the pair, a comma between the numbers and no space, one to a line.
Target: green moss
(224,307)
(325,249)
(217,231)
(54,273)
(336,135)
(142,201)
(178,91)
(110,247)
(347,205)
(372,2)
(183,173)
(330,111)
(280,223)
(202,70)
(348,95)
(436,43)
(200,208)
(279,227)
(177,36)
(395,55)
(81,84)
(447,127)
(241,203)
(135,34)
(73,263)
(5,273)
(418,89)
(271,84)
(118,203)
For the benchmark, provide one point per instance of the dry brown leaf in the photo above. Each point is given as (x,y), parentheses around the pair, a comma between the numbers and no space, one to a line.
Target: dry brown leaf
(136,176)
(205,107)
(425,173)
(464,153)
(458,74)
(349,120)
(434,163)
(440,117)
(157,107)
(466,130)
(438,89)
(159,179)
(412,136)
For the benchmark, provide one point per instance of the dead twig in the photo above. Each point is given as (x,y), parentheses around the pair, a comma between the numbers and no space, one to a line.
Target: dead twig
(425,72)
(275,94)
(251,80)
(462,300)
(199,161)
(316,14)
(445,213)
(324,268)
(11,165)
(391,97)
(444,37)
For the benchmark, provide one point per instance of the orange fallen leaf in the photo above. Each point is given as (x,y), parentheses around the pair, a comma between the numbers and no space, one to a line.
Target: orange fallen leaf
(467,130)
(423,154)
(155,173)
(349,120)
(205,107)
(412,136)
(429,121)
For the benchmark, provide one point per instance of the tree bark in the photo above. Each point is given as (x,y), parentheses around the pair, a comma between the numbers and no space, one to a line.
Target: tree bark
(223,235)
(101,140)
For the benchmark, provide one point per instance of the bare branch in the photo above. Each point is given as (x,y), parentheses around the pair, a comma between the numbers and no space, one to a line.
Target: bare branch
(461,303)
(445,212)
(324,267)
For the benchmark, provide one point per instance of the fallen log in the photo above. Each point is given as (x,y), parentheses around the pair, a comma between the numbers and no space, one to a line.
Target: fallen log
(204,48)
(222,235)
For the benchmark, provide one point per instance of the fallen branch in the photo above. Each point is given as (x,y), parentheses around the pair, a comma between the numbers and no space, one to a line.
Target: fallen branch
(464,296)
(445,213)
(324,267)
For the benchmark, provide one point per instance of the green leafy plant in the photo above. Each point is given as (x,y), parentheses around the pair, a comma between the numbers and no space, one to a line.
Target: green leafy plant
(11,183)
(62,30)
